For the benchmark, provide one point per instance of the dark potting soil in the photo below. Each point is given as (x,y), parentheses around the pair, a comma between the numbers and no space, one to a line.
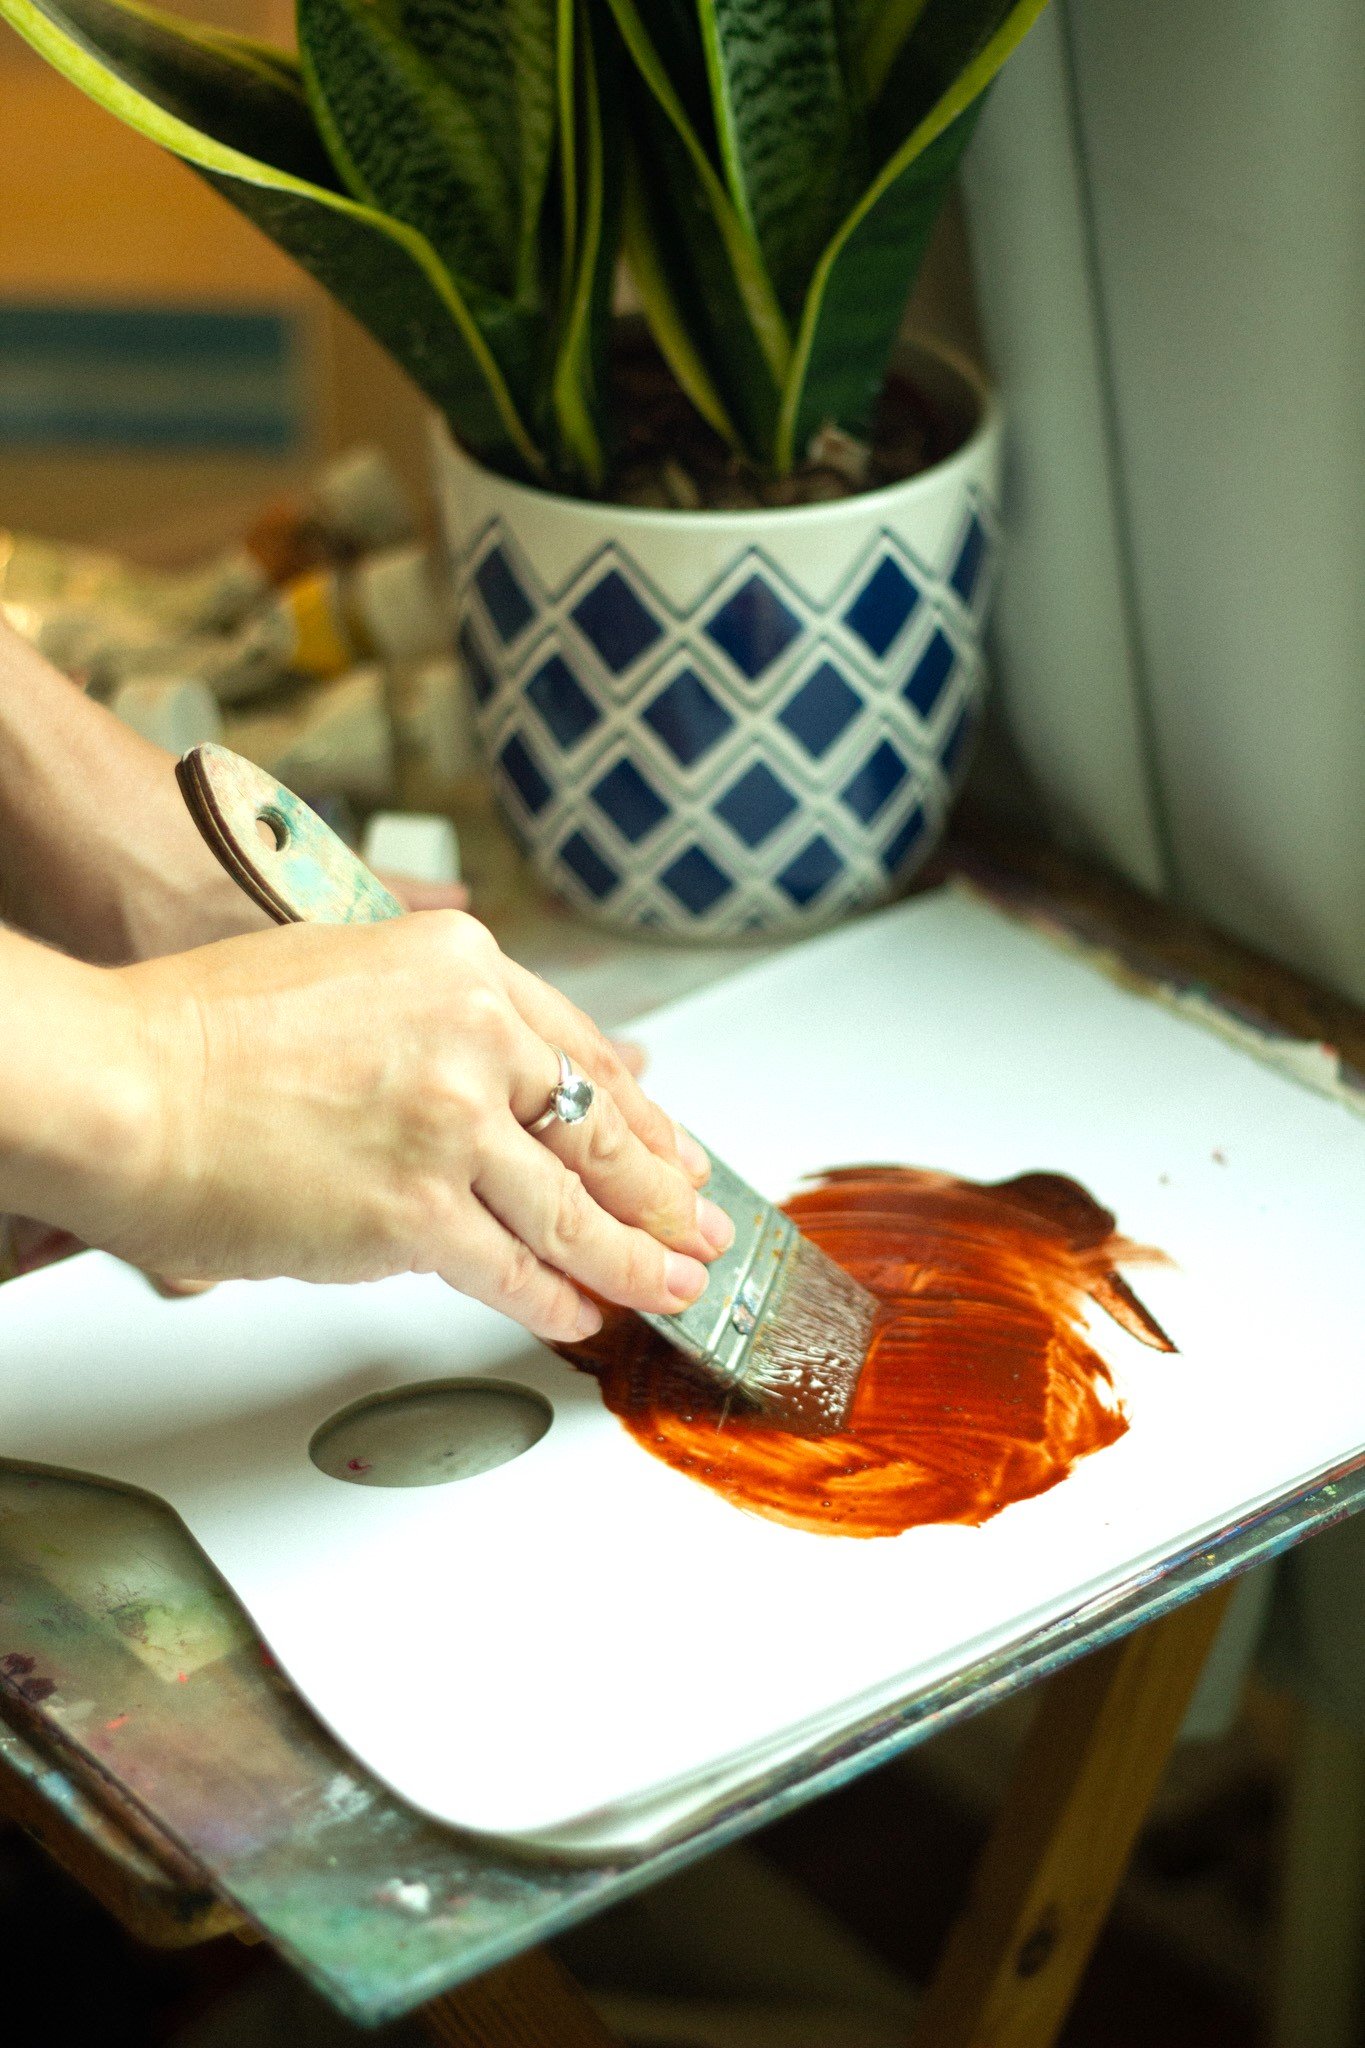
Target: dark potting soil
(670,459)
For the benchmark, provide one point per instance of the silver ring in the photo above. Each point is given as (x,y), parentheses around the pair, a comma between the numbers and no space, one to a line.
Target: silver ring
(571,1097)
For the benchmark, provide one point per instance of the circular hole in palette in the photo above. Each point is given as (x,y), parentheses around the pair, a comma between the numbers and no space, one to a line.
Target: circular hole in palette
(430,1435)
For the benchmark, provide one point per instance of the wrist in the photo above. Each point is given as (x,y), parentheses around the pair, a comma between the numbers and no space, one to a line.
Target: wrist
(98,852)
(80,1114)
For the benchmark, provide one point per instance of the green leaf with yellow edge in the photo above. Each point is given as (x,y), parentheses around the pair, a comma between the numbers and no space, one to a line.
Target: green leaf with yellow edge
(667,321)
(884,27)
(858,292)
(409,145)
(683,274)
(590,237)
(791,120)
(501,57)
(722,247)
(245,129)
(948,48)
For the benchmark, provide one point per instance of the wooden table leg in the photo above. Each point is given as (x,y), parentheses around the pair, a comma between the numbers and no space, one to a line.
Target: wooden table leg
(531,2002)
(1080,1791)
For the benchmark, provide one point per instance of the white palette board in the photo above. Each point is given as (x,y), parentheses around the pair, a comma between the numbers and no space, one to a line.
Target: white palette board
(584,1649)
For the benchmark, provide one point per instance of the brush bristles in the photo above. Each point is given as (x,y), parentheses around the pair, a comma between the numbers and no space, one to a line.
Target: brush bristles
(809,1345)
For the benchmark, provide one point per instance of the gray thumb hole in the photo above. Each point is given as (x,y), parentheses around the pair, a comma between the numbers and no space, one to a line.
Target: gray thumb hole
(432,1434)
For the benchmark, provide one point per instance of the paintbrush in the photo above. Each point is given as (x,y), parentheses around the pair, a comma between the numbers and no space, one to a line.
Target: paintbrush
(780,1326)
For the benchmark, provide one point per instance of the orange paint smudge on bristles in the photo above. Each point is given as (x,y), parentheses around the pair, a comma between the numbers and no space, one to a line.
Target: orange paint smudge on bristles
(981,1386)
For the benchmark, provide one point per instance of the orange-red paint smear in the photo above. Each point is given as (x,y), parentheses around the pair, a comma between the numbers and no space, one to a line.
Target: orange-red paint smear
(980,1387)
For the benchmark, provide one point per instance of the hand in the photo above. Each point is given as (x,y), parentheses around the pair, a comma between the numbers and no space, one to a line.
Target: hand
(98,852)
(340,1103)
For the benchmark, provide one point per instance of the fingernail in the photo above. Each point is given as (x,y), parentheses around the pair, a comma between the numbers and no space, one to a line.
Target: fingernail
(685,1278)
(589,1318)
(632,1056)
(714,1225)
(691,1154)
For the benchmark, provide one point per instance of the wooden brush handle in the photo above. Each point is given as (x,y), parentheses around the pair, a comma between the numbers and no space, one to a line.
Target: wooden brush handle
(275,847)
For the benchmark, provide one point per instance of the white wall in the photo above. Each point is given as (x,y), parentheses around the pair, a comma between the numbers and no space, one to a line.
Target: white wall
(1167,206)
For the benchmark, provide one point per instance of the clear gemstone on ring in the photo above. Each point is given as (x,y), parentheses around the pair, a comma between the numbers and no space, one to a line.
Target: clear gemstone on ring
(573,1099)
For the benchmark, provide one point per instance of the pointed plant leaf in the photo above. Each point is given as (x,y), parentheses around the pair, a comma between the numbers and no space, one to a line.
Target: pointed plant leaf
(200,76)
(688,277)
(172,90)
(589,252)
(566,108)
(266,58)
(674,37)
(849,344)
(667,322)
(857,295)
(405,141)
(884,26)
(791,121)
(946,42)
(694,198)
(500,57)
(281,66)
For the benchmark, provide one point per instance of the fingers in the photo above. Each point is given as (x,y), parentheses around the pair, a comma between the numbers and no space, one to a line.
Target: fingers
(551,1211)
(634,1184)
(622,1175)
(633,1057)
(179,1290)
(556,1020)
(496,1266)
(415,895)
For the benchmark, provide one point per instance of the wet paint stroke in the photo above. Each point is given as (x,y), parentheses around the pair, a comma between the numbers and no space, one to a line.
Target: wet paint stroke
(981,1386)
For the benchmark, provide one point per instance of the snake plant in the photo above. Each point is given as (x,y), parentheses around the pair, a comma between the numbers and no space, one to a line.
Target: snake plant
(463,176)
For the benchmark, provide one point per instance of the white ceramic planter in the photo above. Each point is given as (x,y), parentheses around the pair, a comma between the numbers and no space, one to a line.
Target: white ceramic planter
(721,724)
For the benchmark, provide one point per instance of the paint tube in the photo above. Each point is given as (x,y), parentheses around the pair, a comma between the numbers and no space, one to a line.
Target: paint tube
(328,739)
(419,845)
(44,577)
(401,608)
(388,607)
(355,506)
(87,611)
(433,725)
(101,618)
(173,712)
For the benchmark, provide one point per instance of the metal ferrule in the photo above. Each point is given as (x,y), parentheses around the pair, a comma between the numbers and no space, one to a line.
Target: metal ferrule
(717,1330)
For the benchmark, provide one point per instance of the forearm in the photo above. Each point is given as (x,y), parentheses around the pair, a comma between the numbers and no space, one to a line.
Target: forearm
(98,854)
(75,1087)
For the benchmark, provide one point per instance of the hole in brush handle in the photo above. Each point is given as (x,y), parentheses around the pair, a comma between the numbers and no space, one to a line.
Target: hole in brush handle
(275,847)
(272,831)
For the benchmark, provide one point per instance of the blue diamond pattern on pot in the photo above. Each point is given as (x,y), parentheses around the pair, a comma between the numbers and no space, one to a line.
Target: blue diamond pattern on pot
(904,841)
(756,805)
(950,756)
(696,881)
(508,607)
(480,676)
(929,675)
(822,708)
(753,627)
(688,718)
(881,608)
(618,623)
(593,870)
(967,568)
(713,747)
(876,782)
(633,804)
(522,770)
(813,869)
(562,701)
